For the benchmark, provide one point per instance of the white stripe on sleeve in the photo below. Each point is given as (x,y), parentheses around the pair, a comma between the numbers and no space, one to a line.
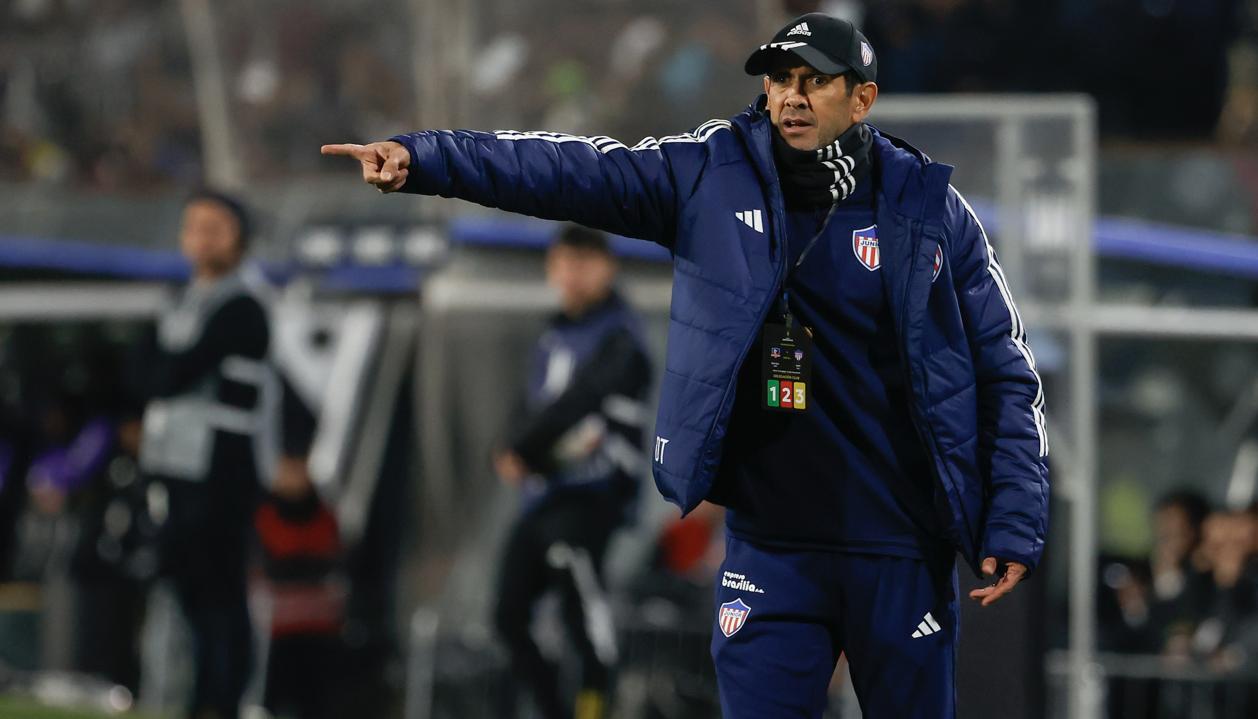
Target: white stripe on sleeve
(1017,331)
(607,144)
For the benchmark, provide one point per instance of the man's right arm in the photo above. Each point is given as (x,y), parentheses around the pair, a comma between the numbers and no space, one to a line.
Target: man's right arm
(239,327)
(597,181)
(617,367)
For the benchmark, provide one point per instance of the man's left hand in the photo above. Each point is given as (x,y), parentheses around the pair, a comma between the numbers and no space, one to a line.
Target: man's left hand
(1014,572)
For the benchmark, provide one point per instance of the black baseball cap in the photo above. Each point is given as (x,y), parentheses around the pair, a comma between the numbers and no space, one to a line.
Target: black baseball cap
(824,42)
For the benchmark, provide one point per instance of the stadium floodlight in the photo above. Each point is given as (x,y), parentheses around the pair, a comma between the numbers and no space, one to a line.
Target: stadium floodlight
(424,246)
(375,246)
(320,246)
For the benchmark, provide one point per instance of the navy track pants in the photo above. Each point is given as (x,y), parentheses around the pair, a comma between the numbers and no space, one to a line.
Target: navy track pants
(783,617)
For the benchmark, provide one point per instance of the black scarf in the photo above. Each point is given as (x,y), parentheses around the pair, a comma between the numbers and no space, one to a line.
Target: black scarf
(822,177)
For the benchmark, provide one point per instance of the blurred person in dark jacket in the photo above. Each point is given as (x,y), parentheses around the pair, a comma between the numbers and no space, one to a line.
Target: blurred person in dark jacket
(577,457)
(1180,584)
(301,552)
(113,560)
(1227,636)
(205,376)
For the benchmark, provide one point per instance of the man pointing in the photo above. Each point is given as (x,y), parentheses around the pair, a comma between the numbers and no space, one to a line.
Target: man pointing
(846,370)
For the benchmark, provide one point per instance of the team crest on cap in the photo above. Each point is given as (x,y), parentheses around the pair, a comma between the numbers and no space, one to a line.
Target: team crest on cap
(732,616)
(867,53)
(865,245)
(938,265)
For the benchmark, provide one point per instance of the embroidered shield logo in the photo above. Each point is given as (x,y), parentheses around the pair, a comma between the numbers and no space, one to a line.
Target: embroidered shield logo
(867,53)
(732,616)
(865,245)
(938,264)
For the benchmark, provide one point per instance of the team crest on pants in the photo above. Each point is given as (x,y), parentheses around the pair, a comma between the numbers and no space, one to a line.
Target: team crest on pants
(865,245)
(731,617)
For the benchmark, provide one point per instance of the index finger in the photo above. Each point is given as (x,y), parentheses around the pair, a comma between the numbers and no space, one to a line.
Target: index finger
(357,152)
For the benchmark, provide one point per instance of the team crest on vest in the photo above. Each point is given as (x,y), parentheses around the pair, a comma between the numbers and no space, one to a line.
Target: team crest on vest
(938,267)
(865,245)
(732,616)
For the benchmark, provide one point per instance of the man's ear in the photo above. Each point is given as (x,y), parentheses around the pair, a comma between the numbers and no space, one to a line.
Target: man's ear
(864,97)
(766,84)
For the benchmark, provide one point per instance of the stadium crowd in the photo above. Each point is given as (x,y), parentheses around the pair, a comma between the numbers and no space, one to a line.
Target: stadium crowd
(100,94)
(1189,608)
(1195,596)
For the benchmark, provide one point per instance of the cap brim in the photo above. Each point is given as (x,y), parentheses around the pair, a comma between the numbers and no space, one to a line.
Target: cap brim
(761,60)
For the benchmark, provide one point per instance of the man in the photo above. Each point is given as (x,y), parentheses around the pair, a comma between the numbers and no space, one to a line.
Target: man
(846,371)
(1181,586)
(301,558)
(205,377)
(578,457)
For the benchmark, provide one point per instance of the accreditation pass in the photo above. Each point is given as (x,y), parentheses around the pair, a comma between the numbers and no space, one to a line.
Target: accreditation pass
(787,367)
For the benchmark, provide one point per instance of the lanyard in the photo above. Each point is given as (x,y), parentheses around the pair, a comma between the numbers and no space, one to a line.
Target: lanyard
(786,303)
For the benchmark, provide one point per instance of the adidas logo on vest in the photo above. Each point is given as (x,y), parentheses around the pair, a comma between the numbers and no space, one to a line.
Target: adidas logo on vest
(800,29)
(751,218)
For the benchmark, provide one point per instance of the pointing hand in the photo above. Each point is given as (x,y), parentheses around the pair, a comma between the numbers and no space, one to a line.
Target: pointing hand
(385,164)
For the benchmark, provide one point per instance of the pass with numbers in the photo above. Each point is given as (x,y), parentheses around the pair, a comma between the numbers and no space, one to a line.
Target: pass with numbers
(787,365)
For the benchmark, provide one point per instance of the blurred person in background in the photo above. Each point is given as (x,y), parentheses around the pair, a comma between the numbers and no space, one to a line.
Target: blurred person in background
(71,481)
(301,553)
(78,525)
(577,456)
(113,561)
(205,374)
(1227,635)
(917,412)
(1180,581)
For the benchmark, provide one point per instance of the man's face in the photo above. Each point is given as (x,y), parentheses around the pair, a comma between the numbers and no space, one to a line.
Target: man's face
(811,109)
(210,238)
(1173,532)
(581,276)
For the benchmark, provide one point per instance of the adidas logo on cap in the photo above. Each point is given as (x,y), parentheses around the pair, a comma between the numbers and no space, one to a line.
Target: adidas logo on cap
(800,29)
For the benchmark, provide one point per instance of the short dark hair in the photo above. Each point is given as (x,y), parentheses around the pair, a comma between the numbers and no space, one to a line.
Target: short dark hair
(232,205)
(1194,504)
(583,238)
(850,80)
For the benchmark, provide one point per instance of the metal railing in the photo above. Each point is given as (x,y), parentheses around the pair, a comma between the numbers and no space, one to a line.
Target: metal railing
(1142,686)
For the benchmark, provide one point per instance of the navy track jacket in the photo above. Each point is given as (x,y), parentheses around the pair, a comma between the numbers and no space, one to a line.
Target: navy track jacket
(976,400)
